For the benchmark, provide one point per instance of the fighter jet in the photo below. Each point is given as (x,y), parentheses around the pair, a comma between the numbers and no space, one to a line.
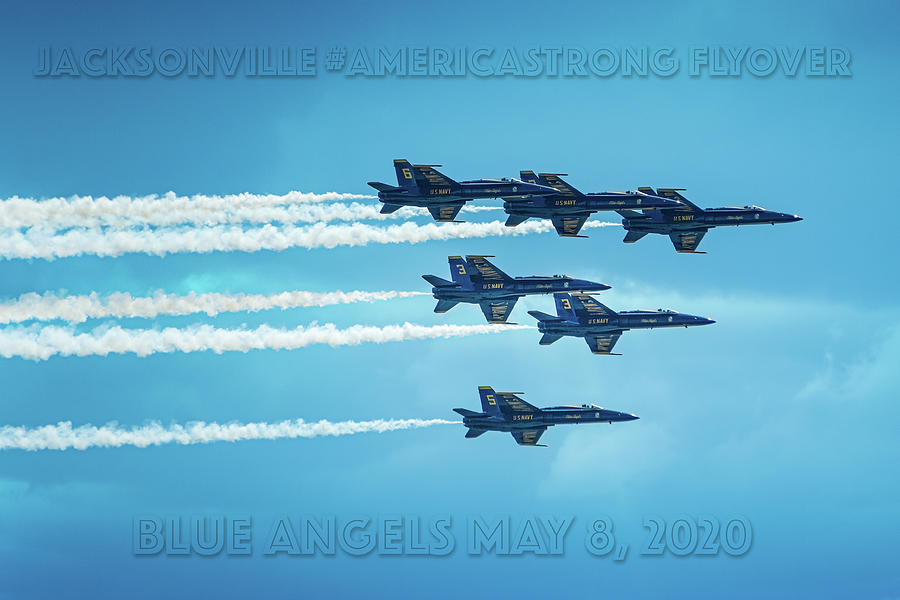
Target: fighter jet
(568,208)
(687,224)
(505,411)
(477,281)
(425,186)
(581,315)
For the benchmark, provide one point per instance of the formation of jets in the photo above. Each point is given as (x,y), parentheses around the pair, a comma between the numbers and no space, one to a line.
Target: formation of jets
(548,196)
(475,280)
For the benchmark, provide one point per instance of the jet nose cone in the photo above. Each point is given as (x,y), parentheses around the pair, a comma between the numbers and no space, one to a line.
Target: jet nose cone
(588,286)
(629,417)
(705,321)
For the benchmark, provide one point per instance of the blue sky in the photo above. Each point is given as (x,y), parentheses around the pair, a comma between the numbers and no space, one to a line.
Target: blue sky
(783,412)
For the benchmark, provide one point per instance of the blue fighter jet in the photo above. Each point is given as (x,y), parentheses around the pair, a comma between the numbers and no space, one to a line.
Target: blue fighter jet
(688,223)
(580,315)
(425,186)
(505,411)
(477,281)
(568,209)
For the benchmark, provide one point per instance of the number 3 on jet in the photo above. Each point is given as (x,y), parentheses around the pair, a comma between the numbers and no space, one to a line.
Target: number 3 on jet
(565,303)
(461,268)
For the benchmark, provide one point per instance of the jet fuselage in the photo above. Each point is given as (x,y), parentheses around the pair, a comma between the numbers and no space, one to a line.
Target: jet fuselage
(622,321)
(547,417)
(520,286)
(668,221)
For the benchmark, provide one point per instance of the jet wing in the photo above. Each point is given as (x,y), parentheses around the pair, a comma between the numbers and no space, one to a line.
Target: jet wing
(445,212)
(434,177)
(529,437)
(585,306)
(673,194)
(509,402)
(687,241)
(487,270)
(569,225)
(563,188)
(603,344)
(497,311)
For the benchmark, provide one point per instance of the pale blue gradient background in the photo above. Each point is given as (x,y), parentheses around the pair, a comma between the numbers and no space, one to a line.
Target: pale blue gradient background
(785,411)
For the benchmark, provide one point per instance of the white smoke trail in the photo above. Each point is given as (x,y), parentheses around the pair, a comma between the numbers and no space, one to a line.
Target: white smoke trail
(77,309)
(42,343)
(48,245)
(63,436)
(118,214)
(87,211)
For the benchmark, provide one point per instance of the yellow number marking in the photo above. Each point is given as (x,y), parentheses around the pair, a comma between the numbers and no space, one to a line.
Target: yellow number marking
(490,399)
(566,304)
(407,174)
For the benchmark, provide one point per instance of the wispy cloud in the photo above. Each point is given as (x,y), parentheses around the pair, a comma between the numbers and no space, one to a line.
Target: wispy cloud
(49,245)
(63,435)
(77,309)
(42,343)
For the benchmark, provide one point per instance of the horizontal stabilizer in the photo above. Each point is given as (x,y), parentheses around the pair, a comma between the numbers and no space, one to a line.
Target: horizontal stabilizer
(542,316)
(474,433)
(468,413)
(549,338)
(387,209)
(630,214)
(439,282)
(445,305)
(514,220)
(633,236)
(384,187)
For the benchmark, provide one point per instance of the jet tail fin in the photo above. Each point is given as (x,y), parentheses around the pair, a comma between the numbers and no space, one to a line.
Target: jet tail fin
(474,433)
(489,400)
(564,307)
(406,176)
(387,208)
(459,271)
